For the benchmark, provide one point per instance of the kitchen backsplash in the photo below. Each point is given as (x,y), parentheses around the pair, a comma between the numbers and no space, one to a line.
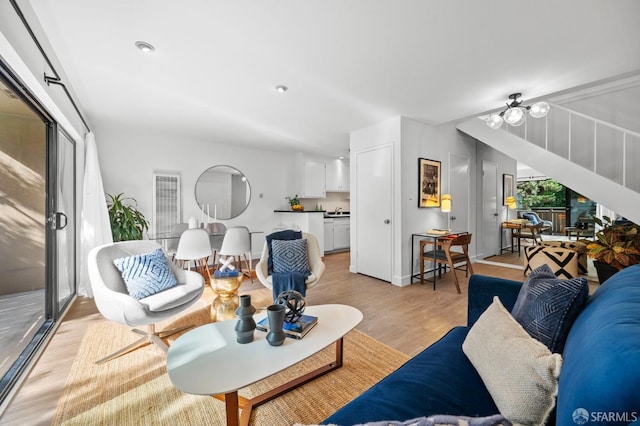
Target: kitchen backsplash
(332,201)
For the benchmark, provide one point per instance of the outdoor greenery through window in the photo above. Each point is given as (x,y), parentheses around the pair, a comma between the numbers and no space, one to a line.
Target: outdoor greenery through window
(541,193)
(555,202)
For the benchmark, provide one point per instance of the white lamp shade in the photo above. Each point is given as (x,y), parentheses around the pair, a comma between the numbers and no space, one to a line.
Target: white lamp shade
(539,109)
(445,206)
(495,121)
(514,116)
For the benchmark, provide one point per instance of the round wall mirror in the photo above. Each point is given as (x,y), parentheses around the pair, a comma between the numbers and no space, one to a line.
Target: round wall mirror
(223,192)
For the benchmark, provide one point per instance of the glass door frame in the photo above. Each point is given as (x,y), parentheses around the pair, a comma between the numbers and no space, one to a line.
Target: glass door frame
(53,309)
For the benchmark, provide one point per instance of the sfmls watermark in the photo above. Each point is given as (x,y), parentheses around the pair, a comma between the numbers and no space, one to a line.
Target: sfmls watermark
(581,416)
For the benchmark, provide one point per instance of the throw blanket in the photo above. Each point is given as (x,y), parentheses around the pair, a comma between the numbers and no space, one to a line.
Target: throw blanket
(288,281)
(442,420)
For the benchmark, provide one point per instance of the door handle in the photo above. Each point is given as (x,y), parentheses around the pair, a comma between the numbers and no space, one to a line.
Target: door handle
(59,216)
(387,221)
(453,218)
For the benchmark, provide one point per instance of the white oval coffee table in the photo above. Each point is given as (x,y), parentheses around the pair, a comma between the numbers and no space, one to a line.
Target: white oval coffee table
(208,361)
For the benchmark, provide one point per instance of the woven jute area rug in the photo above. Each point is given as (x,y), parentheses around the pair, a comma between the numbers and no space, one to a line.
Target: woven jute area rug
(135,388)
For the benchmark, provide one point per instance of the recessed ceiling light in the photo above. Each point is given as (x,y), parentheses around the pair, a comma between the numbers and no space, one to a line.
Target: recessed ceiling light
(281,88)
(144,46)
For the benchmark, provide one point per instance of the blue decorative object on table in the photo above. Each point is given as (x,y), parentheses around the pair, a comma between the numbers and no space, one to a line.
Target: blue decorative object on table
(294,304)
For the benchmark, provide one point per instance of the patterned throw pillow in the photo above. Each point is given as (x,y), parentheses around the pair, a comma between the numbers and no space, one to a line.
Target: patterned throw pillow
(290,256)
(146,274)
(563,262)
(547,306)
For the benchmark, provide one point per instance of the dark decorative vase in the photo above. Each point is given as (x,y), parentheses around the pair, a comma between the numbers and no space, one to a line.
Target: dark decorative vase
(604,270)
(275,315)
(246,324)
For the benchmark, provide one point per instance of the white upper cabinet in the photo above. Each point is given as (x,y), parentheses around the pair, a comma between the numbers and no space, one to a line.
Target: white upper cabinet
(337,176)
(311,178)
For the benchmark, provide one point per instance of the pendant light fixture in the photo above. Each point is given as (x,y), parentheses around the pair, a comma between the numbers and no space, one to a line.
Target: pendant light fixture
(514,113)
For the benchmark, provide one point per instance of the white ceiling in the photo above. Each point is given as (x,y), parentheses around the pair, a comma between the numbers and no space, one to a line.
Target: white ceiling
(348,63)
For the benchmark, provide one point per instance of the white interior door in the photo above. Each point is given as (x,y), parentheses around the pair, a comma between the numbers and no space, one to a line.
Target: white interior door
(373,213)
(459,178)
(490,219)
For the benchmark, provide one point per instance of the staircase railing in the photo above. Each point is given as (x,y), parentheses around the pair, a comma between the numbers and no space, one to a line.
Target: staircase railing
(606,149)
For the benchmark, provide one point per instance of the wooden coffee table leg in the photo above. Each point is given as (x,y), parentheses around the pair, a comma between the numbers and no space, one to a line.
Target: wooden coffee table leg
(232,409)
(234,403)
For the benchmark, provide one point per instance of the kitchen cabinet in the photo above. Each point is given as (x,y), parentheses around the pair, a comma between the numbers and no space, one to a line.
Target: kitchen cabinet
(310,177)
(328,234)
(341,231)
(337,179)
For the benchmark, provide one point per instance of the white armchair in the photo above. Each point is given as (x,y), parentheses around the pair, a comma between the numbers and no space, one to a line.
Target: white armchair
(315,263)
(115,303)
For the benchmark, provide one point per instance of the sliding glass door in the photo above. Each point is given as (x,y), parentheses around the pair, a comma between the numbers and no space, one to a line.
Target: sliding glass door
(37,227)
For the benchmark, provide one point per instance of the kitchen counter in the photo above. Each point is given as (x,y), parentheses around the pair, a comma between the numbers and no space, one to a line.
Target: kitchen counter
(305,221)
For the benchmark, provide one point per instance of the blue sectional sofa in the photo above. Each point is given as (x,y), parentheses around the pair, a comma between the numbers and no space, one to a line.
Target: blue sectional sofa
(600,375)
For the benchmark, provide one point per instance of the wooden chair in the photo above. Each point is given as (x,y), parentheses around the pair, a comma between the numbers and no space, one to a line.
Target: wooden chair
(444,253)
(528,232)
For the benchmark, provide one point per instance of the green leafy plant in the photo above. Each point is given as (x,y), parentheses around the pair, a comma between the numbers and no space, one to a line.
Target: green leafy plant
(541,193)
(127,223)
(617,245)
(293,201)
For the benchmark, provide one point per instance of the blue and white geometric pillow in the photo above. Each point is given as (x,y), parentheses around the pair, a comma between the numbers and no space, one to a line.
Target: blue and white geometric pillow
(290,256)
(146,274)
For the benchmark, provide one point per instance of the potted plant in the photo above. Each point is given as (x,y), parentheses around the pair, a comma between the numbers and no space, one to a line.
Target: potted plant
(294,202)
(616,246)
(127,223)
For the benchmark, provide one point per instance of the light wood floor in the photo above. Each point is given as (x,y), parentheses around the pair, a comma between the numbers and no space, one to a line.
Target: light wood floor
(406,318)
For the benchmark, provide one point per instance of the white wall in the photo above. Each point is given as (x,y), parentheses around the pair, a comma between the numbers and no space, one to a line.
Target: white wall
(506,165)
(381,134)
(435,143)
(128,161)
(412,140)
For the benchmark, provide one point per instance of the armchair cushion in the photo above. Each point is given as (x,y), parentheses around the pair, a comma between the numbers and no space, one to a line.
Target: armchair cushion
(146,274)
(547,306)
(290,256)
(287,234)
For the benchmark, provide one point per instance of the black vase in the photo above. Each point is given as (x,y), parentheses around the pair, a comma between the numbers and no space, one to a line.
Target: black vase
(246,324)
(604,270)
(275,316)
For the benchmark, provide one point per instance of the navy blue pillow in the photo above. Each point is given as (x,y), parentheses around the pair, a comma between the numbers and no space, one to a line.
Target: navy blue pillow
(290,256)
(146,274)
(287,234)
(547,306)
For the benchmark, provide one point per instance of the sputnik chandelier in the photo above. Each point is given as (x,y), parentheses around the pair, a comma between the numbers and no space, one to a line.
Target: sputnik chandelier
(514,113)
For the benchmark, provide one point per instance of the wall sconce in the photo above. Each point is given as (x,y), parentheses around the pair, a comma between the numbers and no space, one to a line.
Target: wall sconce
(514,113)
(445,206)
(511,204)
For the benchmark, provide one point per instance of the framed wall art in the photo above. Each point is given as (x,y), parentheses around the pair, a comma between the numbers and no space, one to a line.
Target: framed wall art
(507,187)
(428,183)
